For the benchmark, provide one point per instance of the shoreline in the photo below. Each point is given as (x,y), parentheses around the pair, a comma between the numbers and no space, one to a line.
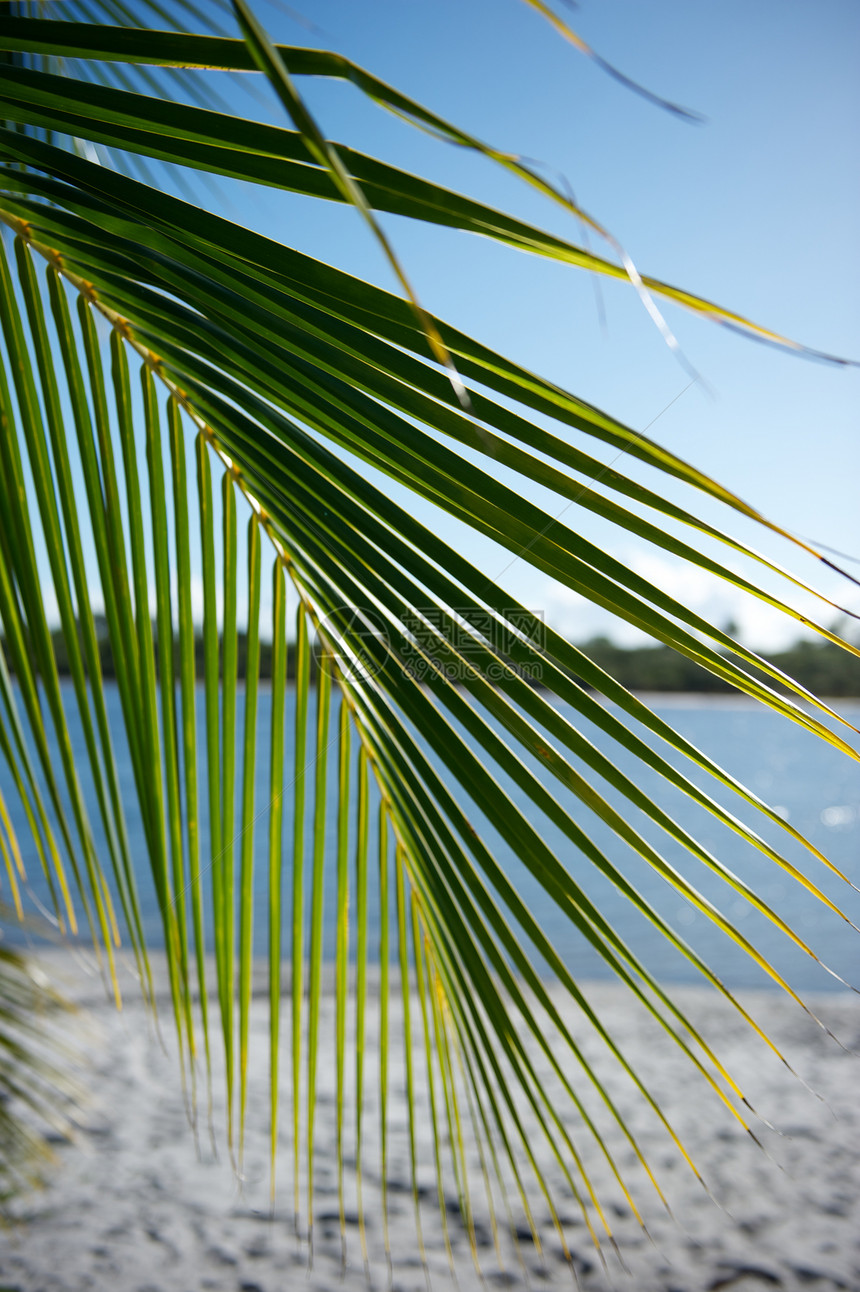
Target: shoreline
(130,1206)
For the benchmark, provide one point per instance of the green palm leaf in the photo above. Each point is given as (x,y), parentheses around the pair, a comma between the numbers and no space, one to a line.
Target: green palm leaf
(278,378)
(36,1091)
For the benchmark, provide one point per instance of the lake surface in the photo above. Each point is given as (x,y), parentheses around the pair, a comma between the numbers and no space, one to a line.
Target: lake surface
(815,787)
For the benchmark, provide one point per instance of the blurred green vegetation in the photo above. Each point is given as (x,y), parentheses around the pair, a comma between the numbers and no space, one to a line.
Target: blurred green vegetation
(820,666)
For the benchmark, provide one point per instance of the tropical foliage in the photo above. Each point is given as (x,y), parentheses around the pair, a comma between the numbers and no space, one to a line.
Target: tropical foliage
(176,383)
(34,1071)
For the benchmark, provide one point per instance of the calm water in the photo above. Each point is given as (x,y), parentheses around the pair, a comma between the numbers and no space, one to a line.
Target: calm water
(815,787)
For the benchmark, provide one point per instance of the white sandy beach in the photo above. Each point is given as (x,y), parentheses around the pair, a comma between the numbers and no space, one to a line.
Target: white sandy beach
(129,1205)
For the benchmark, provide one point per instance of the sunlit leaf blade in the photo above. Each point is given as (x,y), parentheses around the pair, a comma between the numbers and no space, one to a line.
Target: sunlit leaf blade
(277,791)
(213,740)
(12,858)
(401,899)
(187,679)
(361,876)
(384,958)
(148,695)
(22,773)
(430,1054)
(302,675)
(567,32)
(454,1132)
(97,456)
(167,690)
(342,964)
(480,1130)
(226,859)
(315,946)
(249,763)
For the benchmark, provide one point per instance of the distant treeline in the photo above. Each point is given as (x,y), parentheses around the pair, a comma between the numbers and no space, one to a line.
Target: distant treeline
(820,666)
(61,655)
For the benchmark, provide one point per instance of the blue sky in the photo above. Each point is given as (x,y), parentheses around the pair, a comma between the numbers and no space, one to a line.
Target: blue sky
(758,208)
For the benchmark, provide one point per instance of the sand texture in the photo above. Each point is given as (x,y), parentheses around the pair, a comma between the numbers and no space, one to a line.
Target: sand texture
(129,1205)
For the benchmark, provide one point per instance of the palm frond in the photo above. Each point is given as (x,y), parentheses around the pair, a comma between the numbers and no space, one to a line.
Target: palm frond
(417,740)
(271,149)
(163,82)
(36,1087)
